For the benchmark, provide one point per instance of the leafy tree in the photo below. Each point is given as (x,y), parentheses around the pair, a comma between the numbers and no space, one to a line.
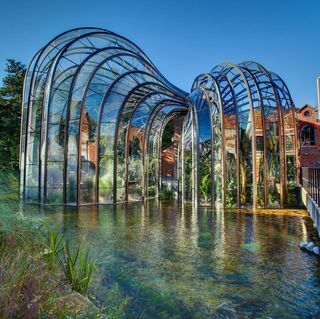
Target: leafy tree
(10,114)
(167,134)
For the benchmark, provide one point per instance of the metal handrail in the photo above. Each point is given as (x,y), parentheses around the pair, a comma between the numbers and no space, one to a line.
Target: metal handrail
(310,181)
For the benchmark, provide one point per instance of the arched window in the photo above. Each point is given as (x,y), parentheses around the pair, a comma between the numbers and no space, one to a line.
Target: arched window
(307,136)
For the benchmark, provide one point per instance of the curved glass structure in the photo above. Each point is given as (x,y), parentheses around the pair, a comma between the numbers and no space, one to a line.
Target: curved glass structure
(95,109)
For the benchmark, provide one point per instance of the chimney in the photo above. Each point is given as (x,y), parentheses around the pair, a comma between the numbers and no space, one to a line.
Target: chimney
(318,95)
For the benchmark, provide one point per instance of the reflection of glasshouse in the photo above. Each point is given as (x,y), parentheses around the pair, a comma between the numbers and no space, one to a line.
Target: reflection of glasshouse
(95,109)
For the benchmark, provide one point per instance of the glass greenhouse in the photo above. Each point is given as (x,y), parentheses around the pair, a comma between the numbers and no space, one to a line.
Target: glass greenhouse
(102,125)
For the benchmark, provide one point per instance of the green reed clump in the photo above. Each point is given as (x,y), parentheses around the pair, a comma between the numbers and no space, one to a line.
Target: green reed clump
(77,268)
(32,277)
(75,265)
(28,288)
(39,270)
(54,251)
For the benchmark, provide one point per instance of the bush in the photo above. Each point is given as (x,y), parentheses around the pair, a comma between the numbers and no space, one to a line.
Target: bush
(166,194)
(139,189)
(31,268)
(152,190)
(39,270)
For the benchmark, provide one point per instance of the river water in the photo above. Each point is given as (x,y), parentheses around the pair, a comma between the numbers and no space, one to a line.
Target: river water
(169,260)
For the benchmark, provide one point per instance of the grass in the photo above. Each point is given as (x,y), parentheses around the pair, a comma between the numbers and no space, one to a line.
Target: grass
(28,287)
(76,265)
(41,275)
(54,252)
(35,265)
(77,268)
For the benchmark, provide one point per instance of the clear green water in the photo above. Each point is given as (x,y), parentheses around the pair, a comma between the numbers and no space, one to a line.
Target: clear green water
(172,261)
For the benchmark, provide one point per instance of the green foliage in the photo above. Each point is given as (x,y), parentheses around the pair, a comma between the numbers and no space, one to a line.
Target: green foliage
(205,178)
(138,189)
(151,190)
(10,114)
(31,272)
(9,185)
(292,193)
(77,268)
(54,251)
(274,197)
(167,134)
(231,194)
(29,288)
(260,194)
(134,148)
(166,194)
(135,169)
(188,174)
(152,165)
(204,187)
(231,182)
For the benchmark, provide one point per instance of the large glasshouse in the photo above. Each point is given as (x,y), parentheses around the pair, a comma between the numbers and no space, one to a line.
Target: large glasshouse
(102,125)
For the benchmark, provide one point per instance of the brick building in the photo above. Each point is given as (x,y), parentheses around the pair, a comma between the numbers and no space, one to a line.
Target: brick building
(308,129)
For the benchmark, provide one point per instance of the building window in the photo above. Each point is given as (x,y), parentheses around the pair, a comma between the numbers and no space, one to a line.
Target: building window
(306,114)
(307,136)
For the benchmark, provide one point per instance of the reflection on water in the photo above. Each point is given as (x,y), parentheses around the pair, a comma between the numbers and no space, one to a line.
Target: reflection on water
(174,261)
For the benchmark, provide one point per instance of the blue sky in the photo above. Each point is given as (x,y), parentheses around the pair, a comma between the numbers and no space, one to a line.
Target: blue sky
(183,38)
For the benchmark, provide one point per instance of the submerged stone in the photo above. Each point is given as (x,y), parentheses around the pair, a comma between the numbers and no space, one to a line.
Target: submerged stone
(316,250)
(310,246)
(303,245)
(78,304)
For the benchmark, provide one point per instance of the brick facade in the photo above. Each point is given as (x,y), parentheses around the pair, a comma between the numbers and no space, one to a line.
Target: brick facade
(308,129)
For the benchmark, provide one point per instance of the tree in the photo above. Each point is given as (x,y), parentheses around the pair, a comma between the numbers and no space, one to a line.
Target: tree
(10,114)
(167,134)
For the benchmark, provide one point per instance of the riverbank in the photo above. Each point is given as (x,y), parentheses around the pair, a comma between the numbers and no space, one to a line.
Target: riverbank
(40,275)
(33,283)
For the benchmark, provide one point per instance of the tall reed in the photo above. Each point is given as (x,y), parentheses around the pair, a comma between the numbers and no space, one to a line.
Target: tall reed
(77,268)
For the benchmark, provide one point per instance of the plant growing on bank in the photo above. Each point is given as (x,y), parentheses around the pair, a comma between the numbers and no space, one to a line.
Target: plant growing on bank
(77,268)
(32,279)
(33,283)
(55,248)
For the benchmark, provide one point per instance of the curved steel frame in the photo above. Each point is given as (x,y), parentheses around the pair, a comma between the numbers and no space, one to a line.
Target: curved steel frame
(92,101)
(263,111)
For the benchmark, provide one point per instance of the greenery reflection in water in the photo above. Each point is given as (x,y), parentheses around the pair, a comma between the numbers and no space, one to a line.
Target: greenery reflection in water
(168,260)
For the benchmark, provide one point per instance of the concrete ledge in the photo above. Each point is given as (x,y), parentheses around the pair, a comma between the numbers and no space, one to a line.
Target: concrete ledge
(312,208)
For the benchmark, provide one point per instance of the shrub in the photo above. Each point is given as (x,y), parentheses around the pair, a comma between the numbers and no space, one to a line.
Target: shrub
(54,251)
(77,268)
(31,272)
(166,194)
(151,190)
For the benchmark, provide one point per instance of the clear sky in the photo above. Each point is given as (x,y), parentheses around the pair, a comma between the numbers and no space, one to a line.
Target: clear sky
(182,38)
